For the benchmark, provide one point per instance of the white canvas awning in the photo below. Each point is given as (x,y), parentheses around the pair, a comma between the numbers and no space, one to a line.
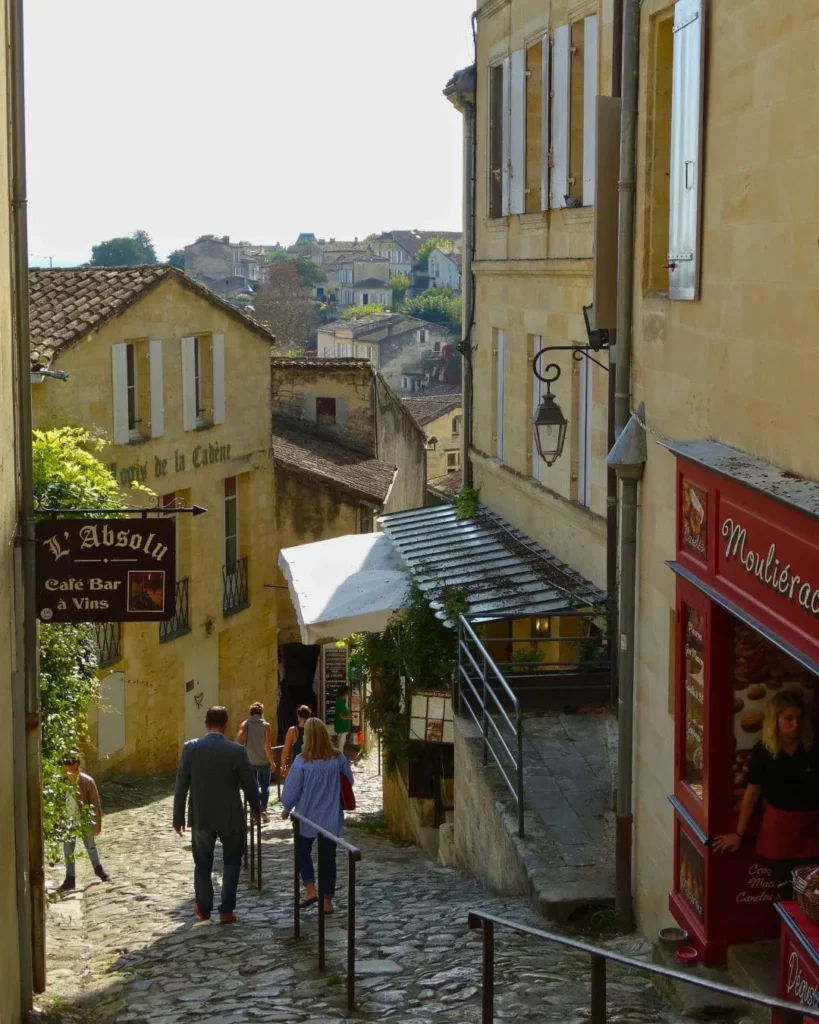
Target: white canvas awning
(346,585)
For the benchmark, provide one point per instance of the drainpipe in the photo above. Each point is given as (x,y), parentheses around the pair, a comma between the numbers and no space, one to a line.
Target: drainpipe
(460,91)
(627,458)
(628,472)
(26,601)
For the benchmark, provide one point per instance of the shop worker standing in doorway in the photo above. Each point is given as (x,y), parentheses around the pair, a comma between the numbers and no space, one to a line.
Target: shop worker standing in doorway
(214,770)
(342,718)
(784,771)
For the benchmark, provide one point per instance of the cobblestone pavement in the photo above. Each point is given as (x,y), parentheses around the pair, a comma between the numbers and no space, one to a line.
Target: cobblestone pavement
(130,951)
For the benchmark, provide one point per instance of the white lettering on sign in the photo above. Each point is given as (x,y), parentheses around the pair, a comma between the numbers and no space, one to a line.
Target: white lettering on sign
(766,568)
(759,878)
(94,537)
(798,985)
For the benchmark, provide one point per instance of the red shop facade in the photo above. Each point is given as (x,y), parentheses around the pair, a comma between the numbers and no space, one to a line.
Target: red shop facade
(747,621)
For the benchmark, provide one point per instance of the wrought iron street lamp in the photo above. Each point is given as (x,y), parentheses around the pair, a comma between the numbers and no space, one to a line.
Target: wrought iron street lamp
(549,423)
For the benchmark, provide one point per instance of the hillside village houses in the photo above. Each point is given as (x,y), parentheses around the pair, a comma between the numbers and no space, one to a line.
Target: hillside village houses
(411,354)
(179,381)
(229,269)
(445,268)
(441,418)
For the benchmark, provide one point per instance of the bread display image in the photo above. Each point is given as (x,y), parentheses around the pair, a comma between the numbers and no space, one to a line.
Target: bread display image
(756,692)
(739,704)
(751,721)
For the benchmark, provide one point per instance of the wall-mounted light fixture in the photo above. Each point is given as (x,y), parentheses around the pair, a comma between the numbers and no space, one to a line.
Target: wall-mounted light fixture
(549,423)
(431,444)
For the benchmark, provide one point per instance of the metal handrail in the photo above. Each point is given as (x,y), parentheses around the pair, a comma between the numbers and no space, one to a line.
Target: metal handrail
(253,829)
(789,1014)
(353,857)
(486,721)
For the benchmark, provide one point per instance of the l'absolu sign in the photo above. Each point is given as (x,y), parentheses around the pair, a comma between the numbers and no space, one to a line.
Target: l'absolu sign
(106,570)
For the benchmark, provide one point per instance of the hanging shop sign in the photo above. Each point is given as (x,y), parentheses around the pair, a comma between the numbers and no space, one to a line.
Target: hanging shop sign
(106,570)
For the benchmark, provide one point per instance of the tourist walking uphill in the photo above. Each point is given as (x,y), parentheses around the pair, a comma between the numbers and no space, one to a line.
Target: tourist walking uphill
(84,788)
(254,734)
(294,740)
(213,770)
(313,789)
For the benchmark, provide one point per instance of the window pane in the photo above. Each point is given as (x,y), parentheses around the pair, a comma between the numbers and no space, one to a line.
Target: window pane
(230,486)
(694,698)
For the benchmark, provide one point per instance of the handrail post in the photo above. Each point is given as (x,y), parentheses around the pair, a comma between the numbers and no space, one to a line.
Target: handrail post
(244,851)
(483,713)
(519,724)
(488,978)
(296,887)
(350,932)
(252,825)
(258,827)
(598,989)
(321,880)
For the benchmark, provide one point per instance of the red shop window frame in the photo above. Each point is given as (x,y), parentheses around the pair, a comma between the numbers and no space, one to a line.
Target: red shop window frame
(689,599)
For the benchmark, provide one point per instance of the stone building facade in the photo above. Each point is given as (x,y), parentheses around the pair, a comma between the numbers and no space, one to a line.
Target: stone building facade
(178,381)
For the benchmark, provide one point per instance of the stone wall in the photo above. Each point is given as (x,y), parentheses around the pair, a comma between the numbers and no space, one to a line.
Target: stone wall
(228,659)
(400,443)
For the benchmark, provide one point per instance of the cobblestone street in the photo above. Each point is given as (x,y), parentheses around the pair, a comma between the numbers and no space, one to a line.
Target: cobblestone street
(131,951)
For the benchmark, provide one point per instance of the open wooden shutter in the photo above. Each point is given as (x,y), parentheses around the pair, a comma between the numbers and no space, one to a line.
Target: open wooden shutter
(517,132)
(561,107)
(685,188)
(119,377)
(505,133)
(157,389)
(218,378)
(545,133)
(590,47)
(189,412)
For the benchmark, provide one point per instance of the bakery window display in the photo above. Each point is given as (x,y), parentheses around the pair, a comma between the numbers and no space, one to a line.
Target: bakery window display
(694,700)
(693,519)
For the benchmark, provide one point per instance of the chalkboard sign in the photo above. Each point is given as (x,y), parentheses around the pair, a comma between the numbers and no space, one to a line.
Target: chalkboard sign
(335,676)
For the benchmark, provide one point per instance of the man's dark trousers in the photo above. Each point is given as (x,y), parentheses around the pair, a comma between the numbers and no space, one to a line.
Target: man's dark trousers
(203,841)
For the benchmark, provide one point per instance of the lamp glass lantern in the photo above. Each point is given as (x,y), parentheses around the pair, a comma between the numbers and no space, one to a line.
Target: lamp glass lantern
(549,425)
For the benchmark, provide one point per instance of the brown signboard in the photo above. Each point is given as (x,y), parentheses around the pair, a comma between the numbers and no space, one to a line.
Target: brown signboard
(106,570)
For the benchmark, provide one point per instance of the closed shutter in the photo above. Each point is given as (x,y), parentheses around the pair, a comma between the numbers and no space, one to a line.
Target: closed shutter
(589,107)
(545,133)
(500,378)
(218,378)
(505,135)
(310,408)
(341,413)
(157,389)
(517,133)
(685,186)
(119,378)
(189,413)
(561,106)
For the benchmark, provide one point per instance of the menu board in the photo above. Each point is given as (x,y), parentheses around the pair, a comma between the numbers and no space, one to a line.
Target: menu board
(355,704)
(694,699)
(691,882)
(694,519)
(431,716)
(759,671)
(335,676)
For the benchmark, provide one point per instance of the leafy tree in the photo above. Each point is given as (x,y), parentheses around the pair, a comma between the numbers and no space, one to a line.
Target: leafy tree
(67,474)
(357,312)
(286,305)
(124,252)
(438,306)
(310,273)
(177,259)
(208,238)
(399,284)
(421,261)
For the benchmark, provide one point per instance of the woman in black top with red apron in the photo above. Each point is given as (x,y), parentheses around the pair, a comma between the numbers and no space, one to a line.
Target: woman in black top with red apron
(784,771)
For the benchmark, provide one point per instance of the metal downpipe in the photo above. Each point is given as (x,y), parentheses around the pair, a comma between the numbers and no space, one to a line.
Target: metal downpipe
(20,313)
(628,484)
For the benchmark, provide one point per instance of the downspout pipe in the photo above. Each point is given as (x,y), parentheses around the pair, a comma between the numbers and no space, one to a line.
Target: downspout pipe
(627,458)
(461,93)
(20,301)
(627,463)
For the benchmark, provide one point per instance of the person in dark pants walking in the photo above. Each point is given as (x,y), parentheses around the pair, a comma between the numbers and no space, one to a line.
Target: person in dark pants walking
(214,770)
(254,735)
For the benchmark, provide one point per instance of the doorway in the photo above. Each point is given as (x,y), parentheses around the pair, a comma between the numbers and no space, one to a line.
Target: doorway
(298,664)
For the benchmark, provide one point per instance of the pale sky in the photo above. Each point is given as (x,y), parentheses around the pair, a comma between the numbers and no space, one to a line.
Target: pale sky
(256,119)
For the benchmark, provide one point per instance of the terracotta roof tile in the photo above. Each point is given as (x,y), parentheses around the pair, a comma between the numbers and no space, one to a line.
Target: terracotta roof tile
(66,304)
(332,463)
(446,486)
(426,408)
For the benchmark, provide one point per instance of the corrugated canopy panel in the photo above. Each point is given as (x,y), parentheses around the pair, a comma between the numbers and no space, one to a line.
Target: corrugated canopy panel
(505,574)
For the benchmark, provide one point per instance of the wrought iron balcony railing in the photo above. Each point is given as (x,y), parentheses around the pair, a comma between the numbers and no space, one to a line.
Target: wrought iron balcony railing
(235,594)
(180,624)
(109,642)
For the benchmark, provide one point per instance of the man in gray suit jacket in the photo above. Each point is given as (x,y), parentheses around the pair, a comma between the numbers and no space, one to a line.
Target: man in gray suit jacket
(214,769)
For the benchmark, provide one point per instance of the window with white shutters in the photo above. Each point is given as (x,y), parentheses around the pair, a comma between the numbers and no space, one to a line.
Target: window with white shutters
(190,386)
(157,389)
(537,124)
(506,134)
(590,48)
(496,150)
(120,396)
(685,185)
(218,361)
(500,361)
(517,132)
(560,107)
